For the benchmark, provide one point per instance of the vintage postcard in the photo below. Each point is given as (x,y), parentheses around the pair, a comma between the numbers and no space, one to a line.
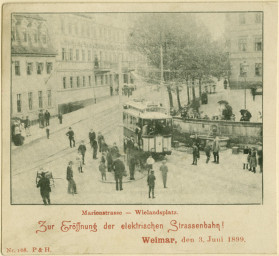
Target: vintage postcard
(139,128)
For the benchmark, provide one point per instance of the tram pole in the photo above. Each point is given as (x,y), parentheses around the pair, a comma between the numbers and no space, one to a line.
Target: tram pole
(120,87)
(162,73)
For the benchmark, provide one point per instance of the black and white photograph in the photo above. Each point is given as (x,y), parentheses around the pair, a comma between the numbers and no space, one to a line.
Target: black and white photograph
(140,108)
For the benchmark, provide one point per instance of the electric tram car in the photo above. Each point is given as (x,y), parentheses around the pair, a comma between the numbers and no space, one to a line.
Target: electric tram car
(149,125)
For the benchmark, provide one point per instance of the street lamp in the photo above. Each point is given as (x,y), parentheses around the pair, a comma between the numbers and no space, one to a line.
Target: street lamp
(244,68)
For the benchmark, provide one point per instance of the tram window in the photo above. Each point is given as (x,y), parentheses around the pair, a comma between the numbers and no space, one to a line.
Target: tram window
(168,123)
(146,127)
(139,123)
(157,127)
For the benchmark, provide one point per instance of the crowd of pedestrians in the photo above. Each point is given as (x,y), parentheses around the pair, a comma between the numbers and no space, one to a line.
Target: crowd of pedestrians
(110,161)
(252,157)
(20,127)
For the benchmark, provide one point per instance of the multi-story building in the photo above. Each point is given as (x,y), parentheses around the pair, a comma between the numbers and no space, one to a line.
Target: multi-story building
(33,61)
(244,36)
(92,59)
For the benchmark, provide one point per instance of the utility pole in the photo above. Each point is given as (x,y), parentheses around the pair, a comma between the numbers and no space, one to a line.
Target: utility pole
(162,73)
(93,81)
(120,87)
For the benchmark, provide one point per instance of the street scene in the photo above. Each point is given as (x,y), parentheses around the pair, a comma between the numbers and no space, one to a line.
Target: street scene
(136,108)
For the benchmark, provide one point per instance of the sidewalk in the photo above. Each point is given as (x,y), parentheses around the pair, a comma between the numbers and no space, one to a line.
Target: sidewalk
(74,117)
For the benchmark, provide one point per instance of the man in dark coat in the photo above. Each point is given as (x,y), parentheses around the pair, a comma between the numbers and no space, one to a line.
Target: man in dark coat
(207,150)
(197,141)
(95,149)
(119,171)
(92,137)
(164,170)
(132,166)
(101,140)
(225,84)
(130,147)
(41,119)
(216,149)
(151,183)
(82,150)
(71,136)
(60,117)
(196,154)
(114,151)
(47,117)
(27,126)
(44,186)
(109,160)
(72,189)
(227,112)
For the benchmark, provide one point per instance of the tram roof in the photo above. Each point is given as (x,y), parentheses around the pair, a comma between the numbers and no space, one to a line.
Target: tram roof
(147,115)
(142,104)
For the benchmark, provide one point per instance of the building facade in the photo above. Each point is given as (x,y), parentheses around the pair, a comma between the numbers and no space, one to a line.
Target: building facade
(33,62)
(244,41)
(92,61)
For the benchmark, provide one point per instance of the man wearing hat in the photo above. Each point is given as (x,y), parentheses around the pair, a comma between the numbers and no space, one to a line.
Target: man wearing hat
(132,166)
(71,136)
(114,150)
(119,171)
(82,150)
(101,140)
(216,149)
(151,183)
(92,137)
(164,170)
(72,189)
(44,186)
(95,149)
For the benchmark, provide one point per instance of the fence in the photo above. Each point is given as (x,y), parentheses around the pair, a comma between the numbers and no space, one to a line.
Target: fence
(238,132)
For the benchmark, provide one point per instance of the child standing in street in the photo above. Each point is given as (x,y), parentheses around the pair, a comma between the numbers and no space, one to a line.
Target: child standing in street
(253,160)
(196,154)
(245,157)
(207,150)
(79,162)
(151,183)
(102,169)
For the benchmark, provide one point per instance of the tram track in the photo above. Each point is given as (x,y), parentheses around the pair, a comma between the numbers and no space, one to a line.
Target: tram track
(106,127)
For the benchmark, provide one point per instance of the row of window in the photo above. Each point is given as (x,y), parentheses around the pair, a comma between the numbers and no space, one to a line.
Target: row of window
(30,68)
(258,69)
(243,45)
(89,55)
(88,31)
(28,36)
(30,100)
(76,82)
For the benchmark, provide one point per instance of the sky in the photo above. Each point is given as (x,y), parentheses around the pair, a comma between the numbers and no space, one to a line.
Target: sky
(215,22)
